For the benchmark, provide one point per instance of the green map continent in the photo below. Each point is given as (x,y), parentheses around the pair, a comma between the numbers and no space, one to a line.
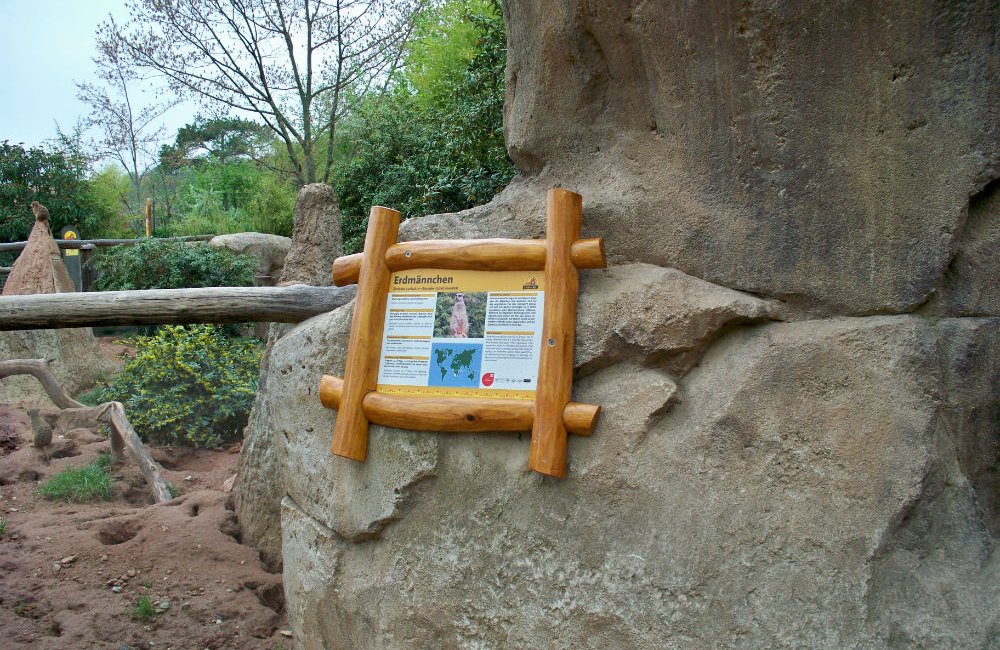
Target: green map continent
(442,355)
(463,360)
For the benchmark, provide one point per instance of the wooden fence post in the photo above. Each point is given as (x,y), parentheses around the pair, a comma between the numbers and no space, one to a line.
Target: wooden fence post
(563,219)
(350,433)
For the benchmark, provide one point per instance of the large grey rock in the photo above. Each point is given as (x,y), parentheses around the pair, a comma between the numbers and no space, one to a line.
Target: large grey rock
(805,492)
(822,482)
(729,142)
(269,251)
(316,239)
(648,313)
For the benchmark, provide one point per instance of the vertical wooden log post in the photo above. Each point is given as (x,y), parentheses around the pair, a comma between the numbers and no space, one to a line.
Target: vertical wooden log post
(350,433)
(149,217)
(563,218)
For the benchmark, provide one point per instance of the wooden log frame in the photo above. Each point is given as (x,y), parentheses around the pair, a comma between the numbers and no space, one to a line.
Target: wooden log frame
(124,439)
(549,418)
(290,304)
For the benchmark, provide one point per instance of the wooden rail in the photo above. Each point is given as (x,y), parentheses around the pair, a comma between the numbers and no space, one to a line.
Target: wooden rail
(85,243)
(290,304)
(455,414)
(472,254)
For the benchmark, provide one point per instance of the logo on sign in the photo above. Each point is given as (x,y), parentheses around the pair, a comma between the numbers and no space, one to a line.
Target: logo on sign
(532,283)
(488,378)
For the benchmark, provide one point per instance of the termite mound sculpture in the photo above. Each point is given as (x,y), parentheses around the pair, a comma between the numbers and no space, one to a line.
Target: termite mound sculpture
(76,360)
(794,347)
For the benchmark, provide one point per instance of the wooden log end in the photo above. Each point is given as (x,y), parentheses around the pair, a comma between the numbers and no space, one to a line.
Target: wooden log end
(580,419)
(346,269)
(331,389)
(589,253)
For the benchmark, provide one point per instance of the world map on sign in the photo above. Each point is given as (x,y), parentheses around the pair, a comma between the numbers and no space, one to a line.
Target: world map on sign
(455,364)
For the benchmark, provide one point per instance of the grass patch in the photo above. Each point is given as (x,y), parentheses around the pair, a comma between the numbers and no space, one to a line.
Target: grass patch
(92,397)
(3,526)
(143,610)
(78,484)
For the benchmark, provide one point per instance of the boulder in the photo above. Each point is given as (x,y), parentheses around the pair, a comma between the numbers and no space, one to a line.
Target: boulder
(269,251)
(795,348)
(744,153)
(316,238)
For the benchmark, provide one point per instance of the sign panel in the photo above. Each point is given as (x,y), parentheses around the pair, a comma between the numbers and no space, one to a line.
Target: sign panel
(462,333)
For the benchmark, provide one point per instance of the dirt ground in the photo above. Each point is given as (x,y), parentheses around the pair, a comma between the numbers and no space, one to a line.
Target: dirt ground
(71,574)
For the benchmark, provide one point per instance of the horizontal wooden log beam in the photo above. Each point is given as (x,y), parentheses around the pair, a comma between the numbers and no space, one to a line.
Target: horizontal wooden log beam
(472,255)
(290,304)
(90,243)
(455,414)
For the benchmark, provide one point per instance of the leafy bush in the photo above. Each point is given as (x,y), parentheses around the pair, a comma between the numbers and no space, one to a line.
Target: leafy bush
(159,264)
(78,484)
(188,385)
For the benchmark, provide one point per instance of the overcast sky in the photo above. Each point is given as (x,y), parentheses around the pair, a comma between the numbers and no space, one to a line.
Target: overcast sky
(46,45)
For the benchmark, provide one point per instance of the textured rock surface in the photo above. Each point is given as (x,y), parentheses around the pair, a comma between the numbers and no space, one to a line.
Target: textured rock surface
(726,141)
(316,240)
(826,481)
(647,313)
(261,479)
(269,251)
(805,492)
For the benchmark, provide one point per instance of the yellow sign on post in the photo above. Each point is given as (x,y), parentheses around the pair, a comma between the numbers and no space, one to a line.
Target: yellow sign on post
(466,335)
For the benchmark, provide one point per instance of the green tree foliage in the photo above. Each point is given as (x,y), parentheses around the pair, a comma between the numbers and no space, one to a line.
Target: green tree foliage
(221,139)
(188,386)
(159,264)
(436,143)
(216,179)
(53,178)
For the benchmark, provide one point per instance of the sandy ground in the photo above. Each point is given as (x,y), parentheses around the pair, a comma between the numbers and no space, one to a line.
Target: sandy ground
(70,574)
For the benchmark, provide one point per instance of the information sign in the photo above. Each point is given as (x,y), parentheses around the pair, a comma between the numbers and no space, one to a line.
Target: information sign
(462,333)
(465,335)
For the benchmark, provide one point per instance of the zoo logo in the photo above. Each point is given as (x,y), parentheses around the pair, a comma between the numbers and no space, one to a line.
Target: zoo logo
(532,283)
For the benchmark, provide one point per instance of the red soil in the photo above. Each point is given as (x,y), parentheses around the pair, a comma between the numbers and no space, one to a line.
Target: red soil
(59,562)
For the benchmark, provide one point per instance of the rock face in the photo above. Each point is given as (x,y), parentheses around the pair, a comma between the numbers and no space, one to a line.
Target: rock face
(796,349)
(260,485)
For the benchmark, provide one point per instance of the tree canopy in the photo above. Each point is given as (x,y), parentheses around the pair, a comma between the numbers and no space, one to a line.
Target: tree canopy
(435,144)
(55,179)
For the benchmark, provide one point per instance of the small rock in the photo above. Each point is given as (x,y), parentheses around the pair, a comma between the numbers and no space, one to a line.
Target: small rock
(69,559)
(117,589)
(227,485)
(163,605)
(56,566)
(189,478)
(104,558)
(286,633)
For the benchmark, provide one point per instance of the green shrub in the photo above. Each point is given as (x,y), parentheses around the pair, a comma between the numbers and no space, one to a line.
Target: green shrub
(159,264)
(78,484)
(188,385)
